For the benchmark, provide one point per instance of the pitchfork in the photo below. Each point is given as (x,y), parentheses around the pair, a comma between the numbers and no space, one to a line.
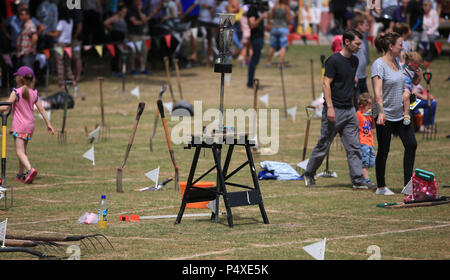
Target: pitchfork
(62,135)
(104,130)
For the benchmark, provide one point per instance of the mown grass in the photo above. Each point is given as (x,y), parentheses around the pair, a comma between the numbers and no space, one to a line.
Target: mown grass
(68,185)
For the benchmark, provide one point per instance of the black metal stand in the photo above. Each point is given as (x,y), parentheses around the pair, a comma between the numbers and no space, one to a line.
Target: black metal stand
(252,196)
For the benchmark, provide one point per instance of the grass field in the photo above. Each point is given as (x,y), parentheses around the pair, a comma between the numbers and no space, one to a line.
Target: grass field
(69,185)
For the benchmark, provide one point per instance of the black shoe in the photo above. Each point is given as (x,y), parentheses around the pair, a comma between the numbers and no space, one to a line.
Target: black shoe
(364,185)
(309,180)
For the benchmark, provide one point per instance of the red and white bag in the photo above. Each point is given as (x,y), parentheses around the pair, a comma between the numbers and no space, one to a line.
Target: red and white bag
(422,189)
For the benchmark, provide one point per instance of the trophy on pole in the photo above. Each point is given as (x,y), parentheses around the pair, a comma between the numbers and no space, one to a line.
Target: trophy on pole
(223,65)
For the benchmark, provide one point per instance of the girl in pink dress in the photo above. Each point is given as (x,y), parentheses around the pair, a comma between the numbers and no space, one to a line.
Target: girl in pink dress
(23,99)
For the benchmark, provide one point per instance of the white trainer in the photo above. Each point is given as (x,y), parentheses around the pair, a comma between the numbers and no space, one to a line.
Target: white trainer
(384,191)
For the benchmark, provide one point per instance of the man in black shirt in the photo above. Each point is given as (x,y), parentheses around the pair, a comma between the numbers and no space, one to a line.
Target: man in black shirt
(338,113)
(256,24)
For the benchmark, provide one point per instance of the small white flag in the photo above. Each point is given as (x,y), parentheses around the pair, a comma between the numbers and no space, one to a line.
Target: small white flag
(292,111)
(3,231)
(212,206)
(168,106)
(265,99)
(303,164)
(94,134)
(317,250)
(90,155)
(153,175)
(135,92)
(408,189)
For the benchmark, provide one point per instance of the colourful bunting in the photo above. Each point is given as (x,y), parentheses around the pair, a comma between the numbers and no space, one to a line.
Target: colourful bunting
(111,49)
(99,49)
(168,38)
(68,50)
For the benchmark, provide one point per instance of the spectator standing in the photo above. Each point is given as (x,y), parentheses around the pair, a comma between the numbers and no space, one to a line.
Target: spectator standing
(279,18)
(415,20)
(63,35)
(430,29)
(77,43)
(117,26)
(361,24)
(256,22)
(47,13)
(388,84)
(136,21)
(190,14)
(27,39)
(93,30)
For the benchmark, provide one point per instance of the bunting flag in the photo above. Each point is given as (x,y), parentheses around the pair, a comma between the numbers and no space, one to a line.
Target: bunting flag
(90,155)
(148,44)
(47,53)
(59,51)
(86,48)
(138,45)
(131,46)
(68,50)
(111,49)
(317,250)
(99,49)
(168,38)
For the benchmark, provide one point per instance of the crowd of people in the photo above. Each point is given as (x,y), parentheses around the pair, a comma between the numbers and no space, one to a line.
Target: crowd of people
(48,32)
(37,27)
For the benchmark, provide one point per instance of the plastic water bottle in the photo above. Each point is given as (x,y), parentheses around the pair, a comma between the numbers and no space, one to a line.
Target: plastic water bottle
(102,213)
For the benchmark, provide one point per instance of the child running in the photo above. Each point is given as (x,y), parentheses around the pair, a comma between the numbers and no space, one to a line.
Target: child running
(365,120)
(23,99)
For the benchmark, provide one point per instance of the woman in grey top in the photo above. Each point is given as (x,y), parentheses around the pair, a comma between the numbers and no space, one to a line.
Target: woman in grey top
(388,85)
(279,18)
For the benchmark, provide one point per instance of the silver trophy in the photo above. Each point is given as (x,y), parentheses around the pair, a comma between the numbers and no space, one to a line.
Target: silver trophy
(223,65)
(226,22)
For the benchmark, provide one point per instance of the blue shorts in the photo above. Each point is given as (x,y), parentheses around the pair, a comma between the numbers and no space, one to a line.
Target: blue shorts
(368,156)
(278,38)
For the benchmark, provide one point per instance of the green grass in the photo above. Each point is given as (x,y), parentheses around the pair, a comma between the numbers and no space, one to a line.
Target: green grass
(68,185)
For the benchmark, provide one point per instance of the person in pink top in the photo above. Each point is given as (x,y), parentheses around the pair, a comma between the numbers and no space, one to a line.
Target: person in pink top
(23,99)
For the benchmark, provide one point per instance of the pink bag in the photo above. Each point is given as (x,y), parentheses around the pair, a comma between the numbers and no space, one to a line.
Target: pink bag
(423,189)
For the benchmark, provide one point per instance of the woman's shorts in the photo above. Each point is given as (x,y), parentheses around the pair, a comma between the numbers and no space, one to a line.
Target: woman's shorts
(278,38)
(368,156)
(21,135)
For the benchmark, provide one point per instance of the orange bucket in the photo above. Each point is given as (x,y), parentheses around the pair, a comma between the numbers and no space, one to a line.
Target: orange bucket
(202,204)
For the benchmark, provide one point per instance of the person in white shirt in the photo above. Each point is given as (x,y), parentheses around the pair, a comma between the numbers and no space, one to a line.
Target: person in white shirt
(430,26)
(63,49)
